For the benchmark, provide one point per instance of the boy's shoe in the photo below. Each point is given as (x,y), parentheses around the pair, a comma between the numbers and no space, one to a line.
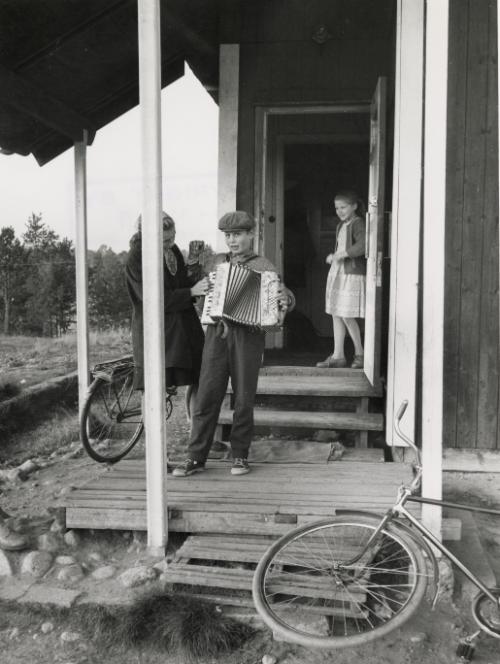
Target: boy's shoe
(188,467)
(240,467)
(358,362)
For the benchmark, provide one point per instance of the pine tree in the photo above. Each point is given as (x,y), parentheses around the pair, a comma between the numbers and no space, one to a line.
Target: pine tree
(12,257)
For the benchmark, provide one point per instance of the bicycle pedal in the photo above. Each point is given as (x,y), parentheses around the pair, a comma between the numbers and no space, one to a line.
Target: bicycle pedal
(466,648)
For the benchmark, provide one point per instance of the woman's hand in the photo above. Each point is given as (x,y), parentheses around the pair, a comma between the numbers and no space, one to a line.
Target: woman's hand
(200,288)
(329,258)
(337,256)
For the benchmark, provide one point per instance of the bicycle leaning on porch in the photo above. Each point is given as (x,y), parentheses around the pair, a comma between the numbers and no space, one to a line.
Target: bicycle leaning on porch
(111,421)
(354,577)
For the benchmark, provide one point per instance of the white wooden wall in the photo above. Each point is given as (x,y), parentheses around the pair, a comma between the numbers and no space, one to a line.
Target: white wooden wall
(406,216)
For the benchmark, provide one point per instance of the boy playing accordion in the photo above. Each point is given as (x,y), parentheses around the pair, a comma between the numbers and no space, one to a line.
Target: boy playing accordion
(233,351)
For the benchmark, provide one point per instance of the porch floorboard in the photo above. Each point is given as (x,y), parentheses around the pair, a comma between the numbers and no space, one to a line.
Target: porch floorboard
(273,498)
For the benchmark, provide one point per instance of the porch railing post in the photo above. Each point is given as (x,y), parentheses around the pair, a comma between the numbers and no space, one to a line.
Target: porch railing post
(82,311)
(152,272)
(434,206)
(229,67)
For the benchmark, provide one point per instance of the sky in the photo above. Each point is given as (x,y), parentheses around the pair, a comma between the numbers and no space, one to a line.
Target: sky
(189,138)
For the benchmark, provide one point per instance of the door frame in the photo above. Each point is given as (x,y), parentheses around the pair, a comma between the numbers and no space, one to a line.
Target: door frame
(262,114)
(268,168)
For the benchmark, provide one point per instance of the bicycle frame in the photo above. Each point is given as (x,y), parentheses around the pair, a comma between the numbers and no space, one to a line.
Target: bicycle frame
(398,510)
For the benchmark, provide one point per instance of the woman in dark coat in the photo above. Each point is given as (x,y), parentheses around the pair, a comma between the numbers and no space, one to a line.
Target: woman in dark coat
(184,336)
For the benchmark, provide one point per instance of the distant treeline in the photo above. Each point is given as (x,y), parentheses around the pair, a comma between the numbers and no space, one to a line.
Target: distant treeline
(37,283)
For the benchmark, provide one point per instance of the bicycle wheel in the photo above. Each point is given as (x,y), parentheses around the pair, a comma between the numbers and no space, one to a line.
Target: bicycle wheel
(487,613)
(111,421)
(305,589)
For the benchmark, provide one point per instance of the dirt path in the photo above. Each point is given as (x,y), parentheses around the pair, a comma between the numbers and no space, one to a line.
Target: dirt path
(430,638)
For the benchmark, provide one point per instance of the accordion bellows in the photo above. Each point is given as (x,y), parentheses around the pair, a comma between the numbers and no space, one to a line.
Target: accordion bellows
(242,295)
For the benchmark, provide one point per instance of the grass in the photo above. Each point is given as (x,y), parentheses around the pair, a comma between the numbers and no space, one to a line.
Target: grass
(43,436)
(8,390)
(31,360)
(161,622)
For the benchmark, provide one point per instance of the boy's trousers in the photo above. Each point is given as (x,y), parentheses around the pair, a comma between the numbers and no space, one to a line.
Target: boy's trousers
(239,356)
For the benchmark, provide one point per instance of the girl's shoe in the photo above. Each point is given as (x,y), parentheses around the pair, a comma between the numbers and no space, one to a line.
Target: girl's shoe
(331,363)
(358,362)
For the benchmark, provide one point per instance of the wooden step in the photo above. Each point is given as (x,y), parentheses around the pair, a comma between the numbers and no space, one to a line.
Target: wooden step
(311,420)
(316,386)
(232,563)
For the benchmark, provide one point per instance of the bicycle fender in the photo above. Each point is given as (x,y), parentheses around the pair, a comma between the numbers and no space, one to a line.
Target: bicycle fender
(415,536)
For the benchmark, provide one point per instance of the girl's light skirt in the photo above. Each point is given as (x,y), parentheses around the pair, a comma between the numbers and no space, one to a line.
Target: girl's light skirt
(345,293)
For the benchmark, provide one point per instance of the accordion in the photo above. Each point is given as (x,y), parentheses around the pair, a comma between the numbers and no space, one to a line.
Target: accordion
(241,295)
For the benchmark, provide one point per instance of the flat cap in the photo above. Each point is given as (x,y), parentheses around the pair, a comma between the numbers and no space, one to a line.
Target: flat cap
(236,221)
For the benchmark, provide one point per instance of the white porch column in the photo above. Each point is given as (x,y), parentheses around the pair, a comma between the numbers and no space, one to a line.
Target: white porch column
(436,83)
(229,77)
(152,273)
(82,310)
(406,217)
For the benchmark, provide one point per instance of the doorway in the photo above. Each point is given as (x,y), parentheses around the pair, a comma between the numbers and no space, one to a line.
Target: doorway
(304,155)
(313,173)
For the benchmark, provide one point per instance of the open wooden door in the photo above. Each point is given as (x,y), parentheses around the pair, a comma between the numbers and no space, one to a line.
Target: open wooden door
(375,233)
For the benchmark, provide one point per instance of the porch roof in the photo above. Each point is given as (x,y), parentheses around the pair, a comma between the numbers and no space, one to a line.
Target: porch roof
(67,65)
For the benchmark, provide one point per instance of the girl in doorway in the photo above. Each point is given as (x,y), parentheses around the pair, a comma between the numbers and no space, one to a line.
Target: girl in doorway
(345,287)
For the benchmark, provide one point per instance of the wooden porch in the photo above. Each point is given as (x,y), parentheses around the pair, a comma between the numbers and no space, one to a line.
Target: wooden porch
(273,498)
(230,521)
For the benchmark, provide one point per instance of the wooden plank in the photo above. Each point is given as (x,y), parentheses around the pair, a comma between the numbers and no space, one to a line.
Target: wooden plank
(488,389)
(241,579)
(316,385)
(473,184)
(457,87)
(472,461)
(307,419)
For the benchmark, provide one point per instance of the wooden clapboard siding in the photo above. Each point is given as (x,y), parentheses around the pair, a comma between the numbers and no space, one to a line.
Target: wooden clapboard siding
(280,62)
(471,301)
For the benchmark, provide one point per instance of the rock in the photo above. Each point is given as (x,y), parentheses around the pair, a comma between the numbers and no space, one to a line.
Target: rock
(162,566)
(18,524)
(136,576)
(5,566)
(70,574)
(70,637)
(419,637)
(10,475)
(269,659)
(65,490)
(14,633)
(27,468)
(36,563)
(72,539)
(57,527)
(95,556)
(65,560)
(48,542)
(104,572)
(47,627)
